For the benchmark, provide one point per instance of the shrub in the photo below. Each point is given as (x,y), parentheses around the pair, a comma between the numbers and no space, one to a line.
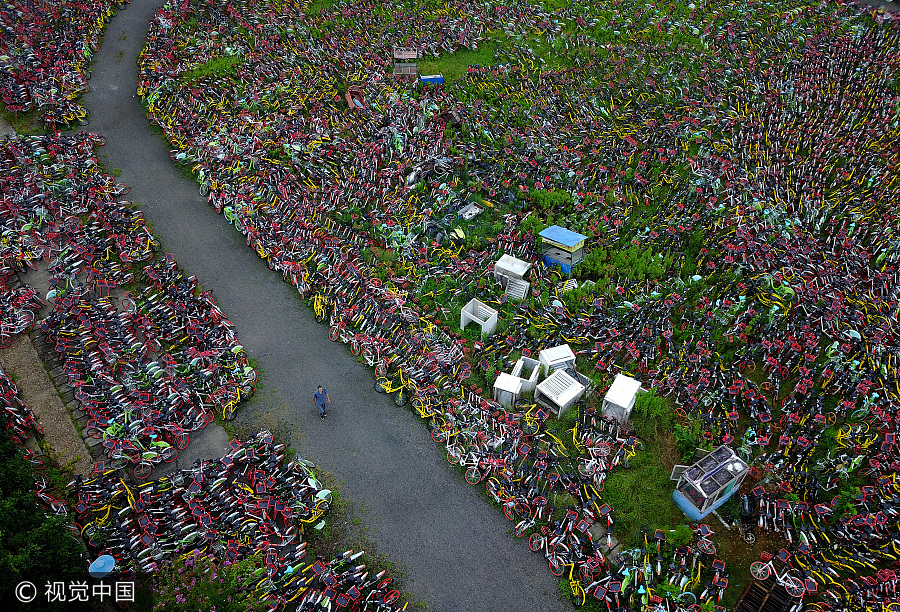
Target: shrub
(34,546)
(686,440)
(199,582)
(652,414)
(680,536)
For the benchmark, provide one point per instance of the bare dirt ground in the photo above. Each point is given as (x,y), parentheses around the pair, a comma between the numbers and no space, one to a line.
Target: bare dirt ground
(22,362)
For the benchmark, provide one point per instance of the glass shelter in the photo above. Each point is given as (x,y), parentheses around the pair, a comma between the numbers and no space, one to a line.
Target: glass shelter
(709,482)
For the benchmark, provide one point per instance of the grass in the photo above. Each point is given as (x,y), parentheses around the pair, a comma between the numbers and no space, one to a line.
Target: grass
(642,494)
(25,124)
(453,65)
(227,64)
(317,6)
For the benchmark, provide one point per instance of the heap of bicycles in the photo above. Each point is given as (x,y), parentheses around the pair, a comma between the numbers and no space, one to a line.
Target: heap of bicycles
(147,368)
(734,166)
(250,504)
(45,52)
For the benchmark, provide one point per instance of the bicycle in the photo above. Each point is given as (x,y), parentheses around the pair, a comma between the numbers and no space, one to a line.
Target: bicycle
(761,570)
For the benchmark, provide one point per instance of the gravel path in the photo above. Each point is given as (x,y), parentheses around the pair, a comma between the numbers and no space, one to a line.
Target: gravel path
(454,549)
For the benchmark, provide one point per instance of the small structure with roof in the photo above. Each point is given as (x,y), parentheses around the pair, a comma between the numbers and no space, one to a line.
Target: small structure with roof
(709,482)
(508,267)
(355,98)
(507,389)
(527,370)
(402,57)
(619,400)
(556,358)
(562,247)
(431,79)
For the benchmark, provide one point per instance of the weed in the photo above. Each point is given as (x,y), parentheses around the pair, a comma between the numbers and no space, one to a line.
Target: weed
(454,65)
(25,124)
(218,66)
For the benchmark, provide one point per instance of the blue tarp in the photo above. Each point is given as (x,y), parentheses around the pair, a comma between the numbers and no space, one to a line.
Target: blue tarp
(431,79)
(561,235)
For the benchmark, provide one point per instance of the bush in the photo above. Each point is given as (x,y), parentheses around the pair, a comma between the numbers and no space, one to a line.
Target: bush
(686,440)
(652,414)
(680,536)
(33,545)
(199,582)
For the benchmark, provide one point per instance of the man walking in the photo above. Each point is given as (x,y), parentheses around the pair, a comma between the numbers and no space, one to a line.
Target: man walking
(321,398)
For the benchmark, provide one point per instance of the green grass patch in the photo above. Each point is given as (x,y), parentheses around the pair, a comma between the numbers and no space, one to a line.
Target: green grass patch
(642,493)
(25,124)
(227,64)
(454,65)
(317,6)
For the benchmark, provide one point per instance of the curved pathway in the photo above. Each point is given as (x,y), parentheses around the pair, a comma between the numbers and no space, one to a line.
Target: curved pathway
(455,550)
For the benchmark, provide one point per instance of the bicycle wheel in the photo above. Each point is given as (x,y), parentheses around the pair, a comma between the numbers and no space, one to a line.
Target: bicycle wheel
(368,356)
(687,598)
(180,441)
(578,593)
(793,586)
(523,509)
(557,567)
(529,429)
(334,334)
(760,570)
(401,398)
(142,470)
(248,388)
(379,386)
(473,476)
(168,454)
(586,468)
(535,542)
(229,411)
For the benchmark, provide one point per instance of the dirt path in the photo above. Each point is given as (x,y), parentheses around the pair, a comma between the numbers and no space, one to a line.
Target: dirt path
(455,550)
(22,362)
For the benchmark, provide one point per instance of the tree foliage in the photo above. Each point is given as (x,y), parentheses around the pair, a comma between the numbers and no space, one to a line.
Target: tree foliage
(33,545)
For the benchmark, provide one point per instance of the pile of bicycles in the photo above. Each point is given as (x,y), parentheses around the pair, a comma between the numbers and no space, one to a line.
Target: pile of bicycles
(20,425)
(731,166)
(250,503)
(46,52)
(147,368)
